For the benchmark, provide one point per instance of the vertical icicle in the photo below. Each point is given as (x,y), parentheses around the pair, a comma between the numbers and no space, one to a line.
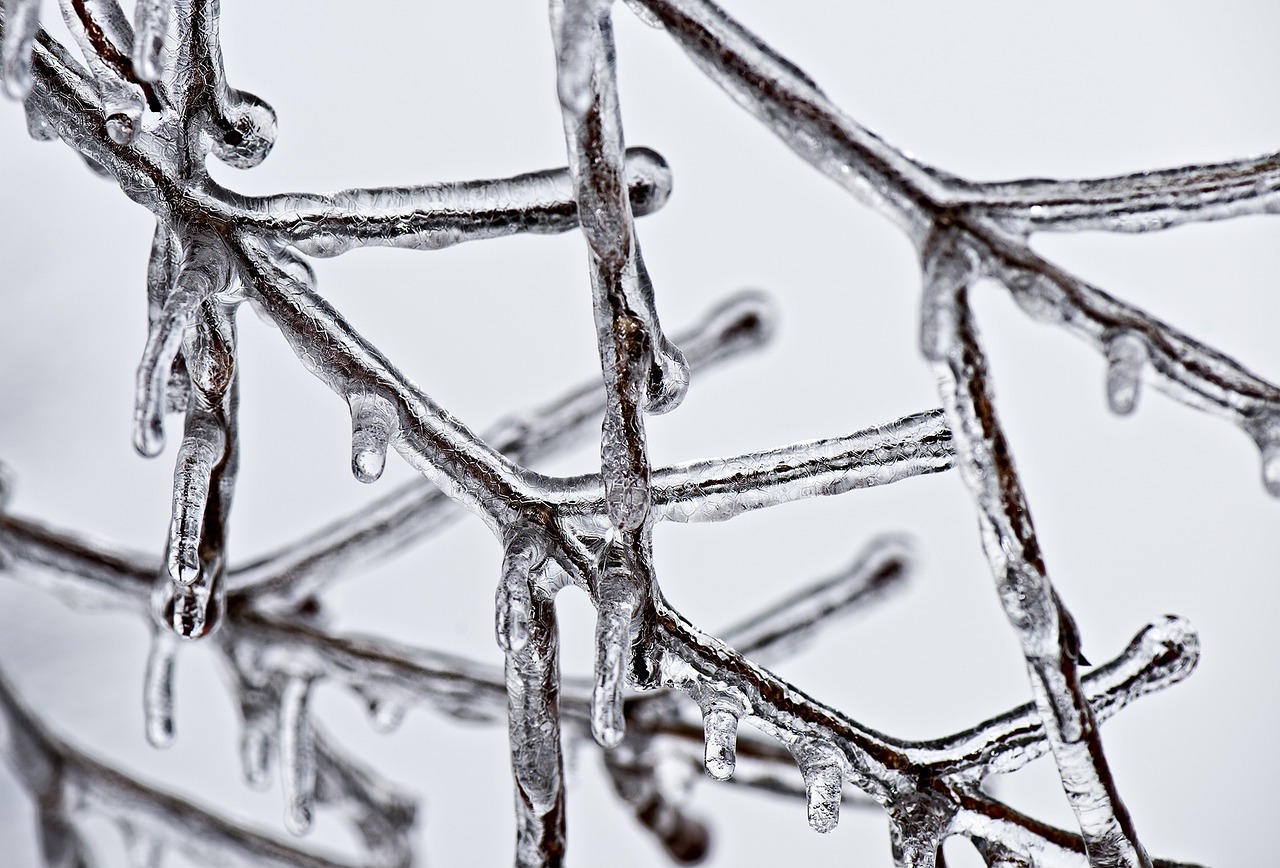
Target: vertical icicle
(823,770)
(22,21)
(297,755)
(157,694)
(203,447)
(617,601)
(374,424)
(1126,357)
(528,634)
(204,272)
(150,25)
(720,732)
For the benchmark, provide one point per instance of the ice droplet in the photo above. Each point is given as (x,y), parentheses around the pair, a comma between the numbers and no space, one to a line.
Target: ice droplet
(373,425)
(823,773)
(720,728)
(38,126)
(191,612)
(386,713)
(151,22)
(297,755)
(22,20)
(1126,356)
(121,128)
(157,694)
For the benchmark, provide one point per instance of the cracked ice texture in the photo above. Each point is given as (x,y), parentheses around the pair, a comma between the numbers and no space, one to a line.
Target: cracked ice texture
(863,294)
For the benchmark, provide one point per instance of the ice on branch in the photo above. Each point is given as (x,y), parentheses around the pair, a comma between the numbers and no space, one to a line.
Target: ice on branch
(152,103)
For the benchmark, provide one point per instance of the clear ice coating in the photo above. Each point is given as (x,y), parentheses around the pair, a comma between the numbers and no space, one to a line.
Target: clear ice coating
(152,103)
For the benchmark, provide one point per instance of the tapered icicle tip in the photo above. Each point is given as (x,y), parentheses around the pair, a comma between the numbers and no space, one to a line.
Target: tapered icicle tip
(720,728)
(157,694)
(373,426)
(1126,356)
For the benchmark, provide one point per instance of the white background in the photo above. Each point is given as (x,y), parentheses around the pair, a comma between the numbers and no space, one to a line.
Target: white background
(1161,512)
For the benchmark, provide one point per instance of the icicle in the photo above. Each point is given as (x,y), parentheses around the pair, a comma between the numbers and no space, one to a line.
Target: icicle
(202,449)
(514,599)
(1265,430)
(163,340)
(720,728)
(22,21)
(204,272)
(142,850)
(157,694)
(38,126)
(297,755)
(823,770)
(1126,356)
(616,602)
(373,426)
(150,24)
(256,743)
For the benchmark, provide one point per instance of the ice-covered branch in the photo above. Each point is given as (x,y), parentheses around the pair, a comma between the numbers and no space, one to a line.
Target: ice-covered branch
(1043,626)
(996,217)
(64,782)
(741,323)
